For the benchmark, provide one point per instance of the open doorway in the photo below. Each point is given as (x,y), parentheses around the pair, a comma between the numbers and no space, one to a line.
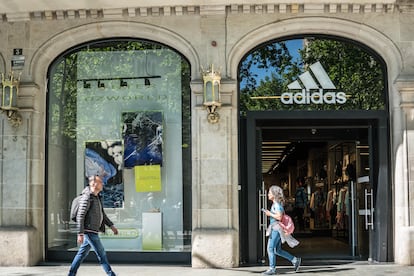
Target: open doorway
(339,160)
(328,161)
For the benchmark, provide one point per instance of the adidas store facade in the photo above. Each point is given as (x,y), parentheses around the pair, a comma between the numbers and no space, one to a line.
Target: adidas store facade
(94,77)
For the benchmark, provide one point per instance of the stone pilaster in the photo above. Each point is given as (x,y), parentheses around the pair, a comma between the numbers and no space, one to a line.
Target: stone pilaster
(22,188)
(404,186)
(215,241)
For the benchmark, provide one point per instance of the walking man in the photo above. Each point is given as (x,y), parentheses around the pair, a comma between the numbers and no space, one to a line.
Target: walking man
(91,219)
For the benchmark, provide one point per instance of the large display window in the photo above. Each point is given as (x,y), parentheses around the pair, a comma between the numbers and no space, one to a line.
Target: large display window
(121,109)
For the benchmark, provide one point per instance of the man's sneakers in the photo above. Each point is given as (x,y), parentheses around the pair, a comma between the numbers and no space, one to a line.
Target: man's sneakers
(270,271)
(296,264)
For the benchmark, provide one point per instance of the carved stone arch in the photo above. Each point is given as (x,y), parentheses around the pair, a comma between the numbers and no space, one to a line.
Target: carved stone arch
(63,41)
(2,64)
(363,34)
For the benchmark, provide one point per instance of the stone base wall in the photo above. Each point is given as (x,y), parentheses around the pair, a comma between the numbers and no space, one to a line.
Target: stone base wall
(22,246)
(215,248)
(404,254)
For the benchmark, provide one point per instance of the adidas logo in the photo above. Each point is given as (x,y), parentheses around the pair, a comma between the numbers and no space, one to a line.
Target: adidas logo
(312,89)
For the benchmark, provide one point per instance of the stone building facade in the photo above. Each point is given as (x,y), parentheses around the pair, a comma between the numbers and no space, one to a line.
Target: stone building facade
(215,32)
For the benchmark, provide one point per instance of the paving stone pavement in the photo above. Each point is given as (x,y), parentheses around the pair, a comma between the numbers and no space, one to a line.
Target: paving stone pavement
(359,268)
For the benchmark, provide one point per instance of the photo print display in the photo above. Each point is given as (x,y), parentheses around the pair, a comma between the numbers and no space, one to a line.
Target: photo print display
(142,134)
(104,158)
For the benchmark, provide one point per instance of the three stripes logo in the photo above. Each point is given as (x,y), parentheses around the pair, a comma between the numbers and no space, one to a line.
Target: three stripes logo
(313,89)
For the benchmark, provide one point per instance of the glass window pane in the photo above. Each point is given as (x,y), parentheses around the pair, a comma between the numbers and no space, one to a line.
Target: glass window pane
(121,109)
(312,73)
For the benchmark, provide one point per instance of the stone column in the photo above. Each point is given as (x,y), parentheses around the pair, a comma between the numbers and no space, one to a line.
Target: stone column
(404,177)
(215,240)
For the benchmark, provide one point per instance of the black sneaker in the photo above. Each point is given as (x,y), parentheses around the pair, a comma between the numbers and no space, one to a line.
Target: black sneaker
(270,271)
(297,264)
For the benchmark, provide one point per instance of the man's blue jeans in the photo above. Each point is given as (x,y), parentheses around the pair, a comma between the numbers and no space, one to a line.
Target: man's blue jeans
(91,240)
(274,247)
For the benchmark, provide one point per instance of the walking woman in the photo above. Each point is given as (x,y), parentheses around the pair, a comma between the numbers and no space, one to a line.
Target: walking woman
(276,232)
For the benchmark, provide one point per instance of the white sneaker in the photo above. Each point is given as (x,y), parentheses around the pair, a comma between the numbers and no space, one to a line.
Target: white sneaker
(270,271)
(297,264)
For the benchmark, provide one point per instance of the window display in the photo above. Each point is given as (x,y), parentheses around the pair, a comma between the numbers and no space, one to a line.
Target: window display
(116,110)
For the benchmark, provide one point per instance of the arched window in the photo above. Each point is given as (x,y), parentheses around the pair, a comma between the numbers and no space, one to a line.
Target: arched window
(312,73)
(121,109)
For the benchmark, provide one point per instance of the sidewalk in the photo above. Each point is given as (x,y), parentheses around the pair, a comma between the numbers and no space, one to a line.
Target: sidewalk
(88,269)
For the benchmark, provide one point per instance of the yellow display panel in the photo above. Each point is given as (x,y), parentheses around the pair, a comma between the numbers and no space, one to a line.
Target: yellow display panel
(148,178)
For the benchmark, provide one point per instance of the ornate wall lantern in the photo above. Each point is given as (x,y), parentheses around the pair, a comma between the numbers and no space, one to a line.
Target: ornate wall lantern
(9,94)
(212,99)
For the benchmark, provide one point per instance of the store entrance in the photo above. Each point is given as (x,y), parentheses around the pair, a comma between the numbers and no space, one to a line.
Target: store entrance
(331,163)
(338,161)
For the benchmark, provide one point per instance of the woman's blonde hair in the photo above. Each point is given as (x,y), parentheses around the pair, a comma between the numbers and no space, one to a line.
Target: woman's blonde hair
(277,192)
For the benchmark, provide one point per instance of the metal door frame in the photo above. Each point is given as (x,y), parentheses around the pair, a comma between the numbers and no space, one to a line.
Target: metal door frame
(381,242)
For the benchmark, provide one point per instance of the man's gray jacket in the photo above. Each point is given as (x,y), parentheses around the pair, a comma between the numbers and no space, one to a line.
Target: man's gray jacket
(91,216)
